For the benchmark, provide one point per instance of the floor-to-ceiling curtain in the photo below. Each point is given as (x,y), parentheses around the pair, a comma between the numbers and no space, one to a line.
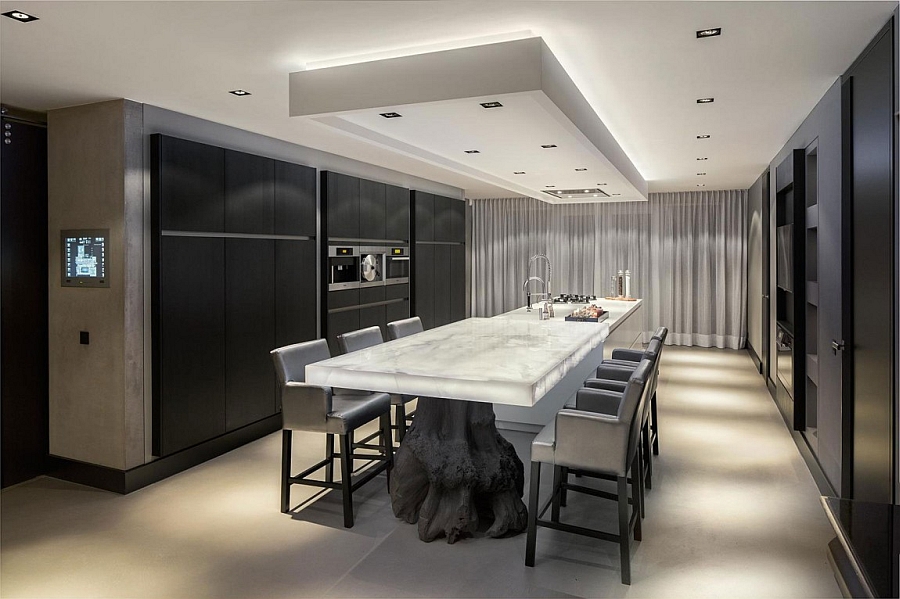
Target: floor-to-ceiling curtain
(686,253)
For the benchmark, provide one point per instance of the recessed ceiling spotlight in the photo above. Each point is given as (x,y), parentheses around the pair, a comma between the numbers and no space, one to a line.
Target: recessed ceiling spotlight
(700,185)
(703,158)
(18,15)
(472,151)
(491,105)
(580,169)
(703,137)
(601,183)
(518,172)
(548,146)
(549,185)
(390,115)
(712,32)
(616,194)
(701,174)
(705,100)
(240,92)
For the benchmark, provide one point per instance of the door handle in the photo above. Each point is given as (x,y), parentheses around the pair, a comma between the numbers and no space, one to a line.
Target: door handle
(837,346)
(765,297)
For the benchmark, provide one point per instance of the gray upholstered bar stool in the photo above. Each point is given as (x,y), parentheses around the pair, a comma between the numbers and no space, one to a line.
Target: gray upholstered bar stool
(629,358)
(404,328)
(598,443)
(317,409)
(361,339)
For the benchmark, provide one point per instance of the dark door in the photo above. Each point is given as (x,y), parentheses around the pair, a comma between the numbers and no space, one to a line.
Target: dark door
(443,218)
(868,282)
(295,199)
(443,287)
(249,330)
(396,203)
(189,393)
(189,199)
(342,206)
(23,320)
(249,193)
(371,209)
(295,291)
(423,215)
(339,323)
(766,282)
(457,282)
(423,281)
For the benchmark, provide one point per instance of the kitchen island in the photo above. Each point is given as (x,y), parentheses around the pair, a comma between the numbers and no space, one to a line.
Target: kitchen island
(622,329)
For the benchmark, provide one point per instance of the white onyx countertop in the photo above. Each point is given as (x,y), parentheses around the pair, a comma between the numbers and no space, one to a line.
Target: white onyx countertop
(507,361)
(618,311)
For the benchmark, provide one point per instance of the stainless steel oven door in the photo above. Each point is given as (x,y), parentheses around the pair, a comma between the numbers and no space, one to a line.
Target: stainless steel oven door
(370,266)
(396,266)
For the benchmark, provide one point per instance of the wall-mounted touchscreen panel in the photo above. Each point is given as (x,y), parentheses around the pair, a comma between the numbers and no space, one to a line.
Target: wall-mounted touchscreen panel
(85,254)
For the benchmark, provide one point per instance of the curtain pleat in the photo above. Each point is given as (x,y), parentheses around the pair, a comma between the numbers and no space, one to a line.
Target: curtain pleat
(687,253)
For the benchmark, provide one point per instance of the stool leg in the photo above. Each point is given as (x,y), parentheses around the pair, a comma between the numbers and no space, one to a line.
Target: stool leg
(533,493)
(350,452)
(400,417)
(346,481)
(557,491)
(637,477)
(329,455)
(286,470)
(387,445)
(637,495)
(624,534)
(648,455)
(655,425)
(563,495)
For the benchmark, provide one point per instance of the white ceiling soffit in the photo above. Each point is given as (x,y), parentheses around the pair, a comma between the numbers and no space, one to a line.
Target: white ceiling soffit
(543,138)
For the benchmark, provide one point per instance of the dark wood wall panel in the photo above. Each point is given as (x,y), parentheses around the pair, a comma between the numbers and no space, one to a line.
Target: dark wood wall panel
(423,215)
(424,282)
(249,193)
(295,199)
(443,285)
(396,213)
(191,185)
(371,209)
(295,291)
(190,398)
(249,330)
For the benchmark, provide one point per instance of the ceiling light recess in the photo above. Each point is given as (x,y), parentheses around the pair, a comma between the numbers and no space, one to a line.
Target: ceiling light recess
(703,137)
(705,100)
(580,169)
(240,92)
(704,158)
(701,174)
(390,115)
(472,151)
(518,172)
(18,15)
(711,32)
(548,146)
(577,194)
(491,105)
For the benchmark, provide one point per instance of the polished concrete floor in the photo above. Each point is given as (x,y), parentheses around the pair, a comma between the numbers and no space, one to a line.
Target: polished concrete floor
(733,513)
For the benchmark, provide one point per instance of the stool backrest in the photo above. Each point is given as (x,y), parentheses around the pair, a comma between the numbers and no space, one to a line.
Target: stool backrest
(661,334)
(404,328)
(361,339)
(291,360)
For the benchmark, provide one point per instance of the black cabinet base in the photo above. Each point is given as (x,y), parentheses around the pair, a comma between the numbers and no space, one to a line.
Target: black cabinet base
(126,481)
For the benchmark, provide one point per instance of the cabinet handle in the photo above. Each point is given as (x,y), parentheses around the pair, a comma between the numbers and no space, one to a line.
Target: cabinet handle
(837,346)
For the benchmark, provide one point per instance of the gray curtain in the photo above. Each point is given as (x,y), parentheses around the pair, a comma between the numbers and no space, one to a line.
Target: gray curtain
(686,251)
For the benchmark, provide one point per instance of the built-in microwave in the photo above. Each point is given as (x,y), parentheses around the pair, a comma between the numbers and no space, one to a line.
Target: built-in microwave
(371,266)
(343,267)
(396,265)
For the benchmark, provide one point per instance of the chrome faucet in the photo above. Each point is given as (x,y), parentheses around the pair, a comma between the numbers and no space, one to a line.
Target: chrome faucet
(545,286)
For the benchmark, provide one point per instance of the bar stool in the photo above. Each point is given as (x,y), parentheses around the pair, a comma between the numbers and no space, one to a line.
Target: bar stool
(317,409)
(368,337)
(404,328)
(596,444)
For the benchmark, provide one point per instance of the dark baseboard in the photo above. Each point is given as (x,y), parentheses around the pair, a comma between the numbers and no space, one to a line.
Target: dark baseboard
(756,361)
(126,481)
(845,574)
(813,465)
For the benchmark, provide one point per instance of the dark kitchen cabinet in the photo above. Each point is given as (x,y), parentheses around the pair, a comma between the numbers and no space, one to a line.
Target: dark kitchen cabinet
(249,330)
(457,282)
(295,199)
(396,311)
(458,221)
(423,279)
(371,209)
(249,193)
(187,179)
(442,285)
(443,208)
(189,343)
(423,215)
(396,204)
(339,323)
(341,193)
(295,291)
(374,316)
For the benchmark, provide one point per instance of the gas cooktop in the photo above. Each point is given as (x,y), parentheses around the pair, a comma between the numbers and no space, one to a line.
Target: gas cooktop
(568,298)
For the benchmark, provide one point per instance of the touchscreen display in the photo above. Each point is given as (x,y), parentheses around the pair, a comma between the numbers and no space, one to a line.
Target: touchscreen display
(84,258)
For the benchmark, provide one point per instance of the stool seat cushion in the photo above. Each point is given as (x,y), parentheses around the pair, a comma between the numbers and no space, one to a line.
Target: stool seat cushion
(349,412)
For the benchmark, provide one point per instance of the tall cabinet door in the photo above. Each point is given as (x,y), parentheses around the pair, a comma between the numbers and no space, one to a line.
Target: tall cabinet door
(249,193)
(442,284)
(443,218)
(371,209)
(396,204)
(190,343)
(423,215)
(249,330)
(189,199)
(424,280)
(295,199)
(341,205)
(295,291)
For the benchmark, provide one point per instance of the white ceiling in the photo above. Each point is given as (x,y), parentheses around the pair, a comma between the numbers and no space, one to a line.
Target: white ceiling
(637,63)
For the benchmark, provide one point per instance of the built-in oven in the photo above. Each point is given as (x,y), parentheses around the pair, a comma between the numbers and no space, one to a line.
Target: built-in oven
(343,267)
(371,265)
(396,265)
